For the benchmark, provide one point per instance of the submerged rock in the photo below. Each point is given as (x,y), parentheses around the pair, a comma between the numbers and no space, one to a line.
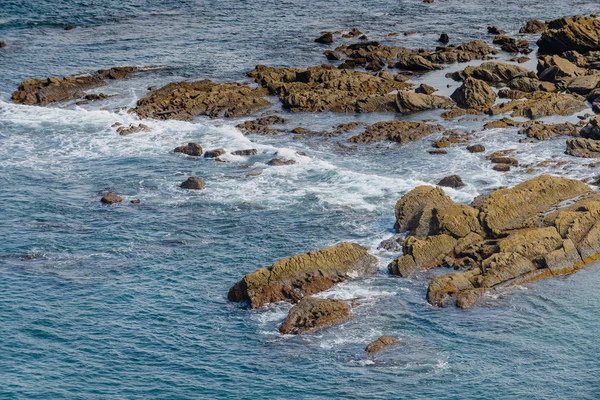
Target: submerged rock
(380,344)
(325,38)
(312,314)
(193,183)
(111,198)
(292,278)
(399,131)
(186,100)
(541,131)
(246,152)
(131,129)
(476,148)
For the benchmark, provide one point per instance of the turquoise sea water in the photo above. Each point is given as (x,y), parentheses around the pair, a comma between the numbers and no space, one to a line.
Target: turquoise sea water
(129,301)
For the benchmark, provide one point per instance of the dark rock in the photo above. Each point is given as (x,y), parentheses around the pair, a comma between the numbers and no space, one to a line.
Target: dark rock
(214,153)
(191,149)
(247,152)
(452,181)
(325,38)
(399,131)
(262,125)
(275,162)
(494,30)
(577,33)
(533,26)
(476,148)
(131,129)
(135,201)
(425,89)
(111,198)
(382,343)
(193,183)
(444,38)
(501,167)
(312,314)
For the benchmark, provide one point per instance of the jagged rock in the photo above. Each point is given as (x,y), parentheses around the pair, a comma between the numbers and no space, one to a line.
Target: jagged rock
(456,220)
(193,183)
(414,211)
(527,84)
(292,278)
(325,88)
(452,181)
(474,50)
(214,153)
(503,123)
(570,33)
(583,84)
(408,102)
(54,89)
(476,148)
(425,89)
(555,68)
(312,314)
(585,148)
(542,104)
(491,72)
(276,162)
(533,26)
(512,45)
(191,149)
(186,100)
(325,38)
(592,129)
(380,344)
(393,244)
(111,198)
(262,125)
(399,131)
(246,152)
(494,30)
(131,129)
(474,94)
(542,131)
(501,167)
(415,62)
(422,254)
(444,38)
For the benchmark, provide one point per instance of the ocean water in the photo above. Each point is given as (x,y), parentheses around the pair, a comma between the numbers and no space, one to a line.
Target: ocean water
(129,301)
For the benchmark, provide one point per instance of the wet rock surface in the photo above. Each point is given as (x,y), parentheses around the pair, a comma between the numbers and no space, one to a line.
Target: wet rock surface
(111,198)
(193,183)
(381,343)
(312,314)
(191,149)
(398,131)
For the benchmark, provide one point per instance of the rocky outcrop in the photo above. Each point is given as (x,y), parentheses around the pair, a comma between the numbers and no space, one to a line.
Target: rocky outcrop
(214,153)
(425,89)
(476,148)
(277,162)
(325,88)
(451,181)
(325,38)
(245,152)
(541,131)
(399,131)
(474,94)
(474,50)
(55,89)
(191,149)
(132,128)
(111,198)
(544,227)
(193,183)
(584,148)
(414,210)
(186,100)
(416,62)
(527,84)
(577,33)
(542,104)
(533,26)
(262,125)
(409,102)
(512,45)
(380,344)
(556,69)
(312,314)
(592,129)
(293,278)
(491,72)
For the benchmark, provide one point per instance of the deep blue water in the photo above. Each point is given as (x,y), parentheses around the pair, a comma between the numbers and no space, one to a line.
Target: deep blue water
(129,301)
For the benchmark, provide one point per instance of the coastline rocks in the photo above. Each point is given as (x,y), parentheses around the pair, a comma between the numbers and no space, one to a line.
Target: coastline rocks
(399,131)
(452,181)
(278,162)
(214,153)
(584,148)
(491,72)
(474,50)
(592,129)
(312,314)
(556,69)
(325,88)
(293,278)
(415,62)
(131,129)
(542,131)
(50,90)
(570,33)
(193,183)
(533,26)
(191,149)
(261,125)
(414,210)
(476,148)
(474,94)
(186,100)
(245,152)
(409,102)
(527,84)
(380,344)
(583,85)
(111,198)
(512,45)
(425,89)
(325,38)
(542,104)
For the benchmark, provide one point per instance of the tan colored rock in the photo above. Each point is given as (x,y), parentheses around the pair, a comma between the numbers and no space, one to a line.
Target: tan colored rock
(111,198)
(409,102)
(585,148)
(491,72)
(542,104)
(292,278)
(531,243)
(474,50)
(533,26)
(312,314)
(527,84)
(186,100)
(474,94)
(592,129)
(583,85)
(422,254)
(457,220)
(414,211)
(571,33)
(555,68)
(380,344)
(541,131)
(399,131)
(415,62)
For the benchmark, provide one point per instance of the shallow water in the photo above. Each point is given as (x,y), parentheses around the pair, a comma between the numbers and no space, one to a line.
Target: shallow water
(129,301)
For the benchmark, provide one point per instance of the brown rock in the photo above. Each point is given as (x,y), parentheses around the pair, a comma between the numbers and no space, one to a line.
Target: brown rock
(414,211)
(585,148)
(312,314)
(474,94)
(541,131)
(131,129)
(583,85)
(111,198)
(214,153)
(533,26)
(501,167)
(494,30)
(425,89)
(452,181)
(191,149)
(290,279)
(380,344)
(474,50)
(193,183)
(325,38)
(399,131)
(491,72)
(542,104)
(571,33)
(592,129)
(408,102)
(262,125)
(422,254)
(276,162)
(246,152)
(476,148)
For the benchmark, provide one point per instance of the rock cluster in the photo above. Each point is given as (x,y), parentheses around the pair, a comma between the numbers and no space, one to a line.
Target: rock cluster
(312,314)
(399,131)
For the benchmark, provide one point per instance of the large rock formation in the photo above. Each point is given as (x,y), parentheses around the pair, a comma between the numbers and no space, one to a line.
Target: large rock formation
(54,89)
(325,88)
(186,100)
(292,278)
(541,131)
(474,94)
(312,314)
(571,33)
(398,131)
(585,148)
(491,72)
(540,228)
(414,210)
(542,104)
(409,102)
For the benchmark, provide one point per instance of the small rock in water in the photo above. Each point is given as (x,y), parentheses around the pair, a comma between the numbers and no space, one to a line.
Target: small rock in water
(111,198)
(214,153)
(247,152)
(325,38)
(444,38)
(501,167)
(494,30)
(278,162)
(2,44)
(425,89)
(380,344)
(312,314)
(476,148)
(191,149)
(136,201)
(453,181)
(193,183)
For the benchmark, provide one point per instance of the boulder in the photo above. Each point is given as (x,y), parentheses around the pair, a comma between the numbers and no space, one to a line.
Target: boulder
(542,104)
(277,162)
(456,220)
(527,84)
(214,153)
(111,198)
(474,50)
(494,30)
(191,149)
(491,72)
(380,344)
(585,148)
(292,278)
(246,152)
(408,102)
(583,85)
(312,314)
(422,254)
(541,131)
(452,181)
(131,129)
(425,89)
(476,148)
(474,94)
(193,183)
(325,38)
(577,33)
(533,26)
(556,69)
(444,38)
(592,129)
(414,211)
(262,125)
(399,131)
(415,62)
